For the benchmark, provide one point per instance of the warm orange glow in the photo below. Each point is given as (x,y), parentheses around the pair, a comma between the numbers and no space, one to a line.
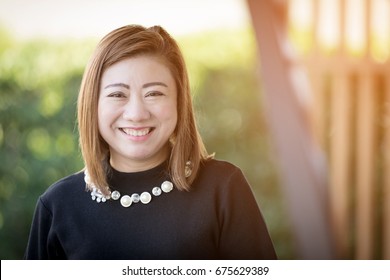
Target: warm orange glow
(380,24)
(300,23)
(329,24)
(299,13)
(357,31)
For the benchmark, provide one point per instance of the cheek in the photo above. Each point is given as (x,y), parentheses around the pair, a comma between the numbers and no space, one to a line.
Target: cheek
(168,114)
(104,119)
(101,115)
(106,113)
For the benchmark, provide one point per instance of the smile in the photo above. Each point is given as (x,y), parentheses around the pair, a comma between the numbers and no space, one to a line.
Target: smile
(136,132)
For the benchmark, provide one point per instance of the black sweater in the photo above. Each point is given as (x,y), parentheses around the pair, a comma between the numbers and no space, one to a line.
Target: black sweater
(217,219)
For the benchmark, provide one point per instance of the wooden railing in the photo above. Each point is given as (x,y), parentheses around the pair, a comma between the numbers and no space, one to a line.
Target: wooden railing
(351,116)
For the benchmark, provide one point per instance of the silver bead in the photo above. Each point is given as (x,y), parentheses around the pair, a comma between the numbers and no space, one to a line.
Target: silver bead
(145,197)
(115,195)
(126,201)
(167,186)
(135,197)
(156,191)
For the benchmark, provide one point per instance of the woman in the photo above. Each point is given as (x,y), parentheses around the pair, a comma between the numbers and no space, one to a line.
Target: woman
(156,193)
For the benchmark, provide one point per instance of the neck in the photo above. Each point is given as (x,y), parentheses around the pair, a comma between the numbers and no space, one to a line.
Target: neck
(130,166)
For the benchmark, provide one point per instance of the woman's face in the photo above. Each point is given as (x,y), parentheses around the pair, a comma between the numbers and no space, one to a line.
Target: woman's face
(137,112)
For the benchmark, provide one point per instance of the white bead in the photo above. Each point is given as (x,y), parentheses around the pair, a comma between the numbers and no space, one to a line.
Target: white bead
(156,191)
(145,197)
(167,186)
(115,195)
(135,197)
(126,201)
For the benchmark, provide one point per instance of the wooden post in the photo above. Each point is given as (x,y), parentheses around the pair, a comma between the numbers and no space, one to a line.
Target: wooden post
(386,189)
(340,155)
(366,151)
(340,143)
(302,163)
(366,167)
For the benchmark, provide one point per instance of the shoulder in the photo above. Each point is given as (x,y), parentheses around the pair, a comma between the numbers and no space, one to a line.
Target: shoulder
(220,173)
(66,187)
(219,167)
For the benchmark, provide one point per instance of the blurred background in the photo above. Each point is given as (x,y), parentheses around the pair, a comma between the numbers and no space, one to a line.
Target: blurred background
(295,92)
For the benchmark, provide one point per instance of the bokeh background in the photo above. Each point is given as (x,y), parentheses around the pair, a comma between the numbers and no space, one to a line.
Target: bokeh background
(295,92)
(44,47)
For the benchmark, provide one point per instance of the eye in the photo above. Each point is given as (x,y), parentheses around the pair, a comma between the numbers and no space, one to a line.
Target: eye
(116,94)
(154,94)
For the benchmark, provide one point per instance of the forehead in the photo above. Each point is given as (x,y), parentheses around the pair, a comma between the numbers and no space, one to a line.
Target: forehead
(140,68)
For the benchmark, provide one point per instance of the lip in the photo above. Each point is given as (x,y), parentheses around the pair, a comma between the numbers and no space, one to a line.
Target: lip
(137,134)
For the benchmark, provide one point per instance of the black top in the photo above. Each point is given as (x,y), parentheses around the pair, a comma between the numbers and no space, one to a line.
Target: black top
(217,219)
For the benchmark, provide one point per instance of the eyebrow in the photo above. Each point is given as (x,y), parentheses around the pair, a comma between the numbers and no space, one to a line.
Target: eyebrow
(154,84)
(144,86)
(117,85)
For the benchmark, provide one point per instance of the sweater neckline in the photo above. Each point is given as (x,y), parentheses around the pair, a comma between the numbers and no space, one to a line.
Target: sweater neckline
(136,181)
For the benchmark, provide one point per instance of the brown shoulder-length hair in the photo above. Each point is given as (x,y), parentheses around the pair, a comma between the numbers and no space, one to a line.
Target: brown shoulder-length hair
(126,42)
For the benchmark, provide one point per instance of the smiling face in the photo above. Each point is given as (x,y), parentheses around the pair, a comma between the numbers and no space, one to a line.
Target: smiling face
(137,112)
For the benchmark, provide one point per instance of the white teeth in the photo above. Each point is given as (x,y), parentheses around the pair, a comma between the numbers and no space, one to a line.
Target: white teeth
(136,133)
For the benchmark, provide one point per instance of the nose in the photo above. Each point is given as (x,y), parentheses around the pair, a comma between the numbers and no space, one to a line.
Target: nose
(135,110)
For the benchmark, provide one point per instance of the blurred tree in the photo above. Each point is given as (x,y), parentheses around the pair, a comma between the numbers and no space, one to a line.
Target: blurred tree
(39,82)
